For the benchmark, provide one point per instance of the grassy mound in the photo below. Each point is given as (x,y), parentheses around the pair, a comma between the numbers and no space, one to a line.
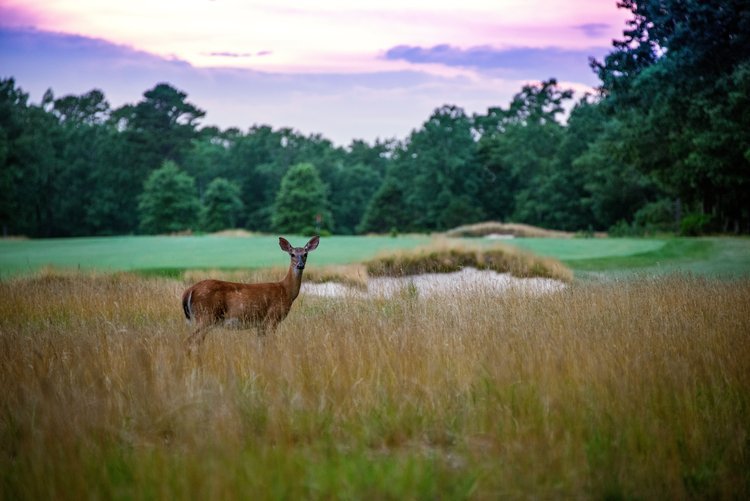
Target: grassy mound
(505,229)
(444,257)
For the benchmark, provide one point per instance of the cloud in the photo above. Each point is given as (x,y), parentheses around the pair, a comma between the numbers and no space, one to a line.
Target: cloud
(518,62)
(340,106)
(240,54)
(17,16)
(594,30)
(33,48)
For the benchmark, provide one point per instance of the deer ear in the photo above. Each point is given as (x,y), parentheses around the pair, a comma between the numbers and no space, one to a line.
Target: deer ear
(285,245)
(312,244)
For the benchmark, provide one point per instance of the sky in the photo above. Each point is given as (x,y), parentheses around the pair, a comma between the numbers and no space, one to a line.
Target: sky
(365,69)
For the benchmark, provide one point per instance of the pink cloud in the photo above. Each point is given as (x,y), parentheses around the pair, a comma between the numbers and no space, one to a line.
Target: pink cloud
(19,16)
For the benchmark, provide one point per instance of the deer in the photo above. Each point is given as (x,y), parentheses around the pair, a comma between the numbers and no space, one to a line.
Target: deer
(263,305)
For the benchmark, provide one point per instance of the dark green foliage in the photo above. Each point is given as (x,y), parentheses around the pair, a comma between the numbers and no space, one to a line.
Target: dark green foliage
(386,211)
(13,109)
(656,217)
(301,206)
(518,149)
(353,189)
(221,205)
(169,202)
(679,82)
(695,224)
(439,164)
(160,127)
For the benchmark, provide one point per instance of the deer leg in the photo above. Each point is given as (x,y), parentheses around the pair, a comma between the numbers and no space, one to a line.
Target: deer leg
(264,327)
(196,338)
(268,324)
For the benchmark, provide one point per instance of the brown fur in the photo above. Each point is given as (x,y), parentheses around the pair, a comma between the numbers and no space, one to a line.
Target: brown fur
(211,302)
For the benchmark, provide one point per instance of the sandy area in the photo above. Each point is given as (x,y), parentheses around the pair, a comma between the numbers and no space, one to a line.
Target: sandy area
(468,279)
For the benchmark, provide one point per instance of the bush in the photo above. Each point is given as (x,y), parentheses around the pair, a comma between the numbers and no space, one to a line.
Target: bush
(623,229)
(695,224)
(656,217)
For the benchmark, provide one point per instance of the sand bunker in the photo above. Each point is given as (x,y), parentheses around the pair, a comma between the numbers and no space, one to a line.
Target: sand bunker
(429,284)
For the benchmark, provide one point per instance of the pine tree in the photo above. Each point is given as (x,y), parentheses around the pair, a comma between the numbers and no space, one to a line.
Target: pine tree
(302,202)
(222,205)
(169,201)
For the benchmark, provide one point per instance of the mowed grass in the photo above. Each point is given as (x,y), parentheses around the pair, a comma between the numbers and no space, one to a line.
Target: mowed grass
(172,256)
(613,389)
(724,257)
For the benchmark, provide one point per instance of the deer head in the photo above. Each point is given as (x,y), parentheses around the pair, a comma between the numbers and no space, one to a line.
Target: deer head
(298,254)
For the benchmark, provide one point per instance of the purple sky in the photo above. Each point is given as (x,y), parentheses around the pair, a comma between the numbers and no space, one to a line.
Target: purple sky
(346,70)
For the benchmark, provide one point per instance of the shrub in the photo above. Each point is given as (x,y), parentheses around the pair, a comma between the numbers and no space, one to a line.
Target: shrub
(624,229)
(695,224)
(656,217)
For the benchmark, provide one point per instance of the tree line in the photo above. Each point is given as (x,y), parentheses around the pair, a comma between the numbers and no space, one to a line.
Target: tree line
(663,146)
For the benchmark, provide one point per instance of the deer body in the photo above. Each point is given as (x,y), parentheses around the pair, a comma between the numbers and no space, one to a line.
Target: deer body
(212,302)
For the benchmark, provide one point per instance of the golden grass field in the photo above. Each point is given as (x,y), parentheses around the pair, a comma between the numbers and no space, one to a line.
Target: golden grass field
(618,389)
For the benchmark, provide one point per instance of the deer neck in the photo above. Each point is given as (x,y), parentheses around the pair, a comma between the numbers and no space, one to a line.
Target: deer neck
(292,282)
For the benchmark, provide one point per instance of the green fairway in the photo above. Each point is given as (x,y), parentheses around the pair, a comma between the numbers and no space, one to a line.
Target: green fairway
(179,253)
(574,249)
(715,256)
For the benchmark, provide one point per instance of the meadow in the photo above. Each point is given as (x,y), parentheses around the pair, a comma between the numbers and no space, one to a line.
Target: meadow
(634,386)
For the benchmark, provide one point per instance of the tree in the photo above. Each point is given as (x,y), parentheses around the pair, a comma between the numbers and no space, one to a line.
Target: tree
(517,149)
(301,204)
(88,152)
(375,157)
(387,210)
(562,198)
(13,107)
(169,202)
(208,158)
(678,81)
(439,164)
(91,108)
(35,162)
(162,126)
(222,205)
(616,188)
(352,190)
(260,159)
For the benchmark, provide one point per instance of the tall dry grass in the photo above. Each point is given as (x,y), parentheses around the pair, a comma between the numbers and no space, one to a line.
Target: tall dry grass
(624,389)
(354,275)
(443,255)
(509,229)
